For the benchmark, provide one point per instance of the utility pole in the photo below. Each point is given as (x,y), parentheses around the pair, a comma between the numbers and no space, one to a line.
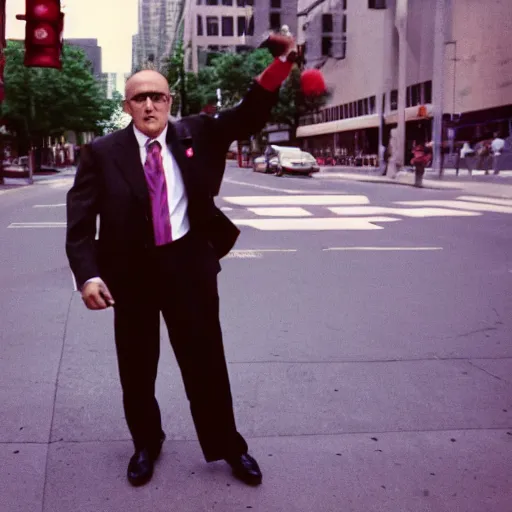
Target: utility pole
(2,66)
(402,8)
(438,85)
(384,81)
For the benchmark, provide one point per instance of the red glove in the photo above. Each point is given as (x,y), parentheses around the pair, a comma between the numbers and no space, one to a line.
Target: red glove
(277,72)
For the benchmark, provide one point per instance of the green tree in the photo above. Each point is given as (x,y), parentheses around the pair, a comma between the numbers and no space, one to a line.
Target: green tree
(117,118)
(293,103)
(47,102)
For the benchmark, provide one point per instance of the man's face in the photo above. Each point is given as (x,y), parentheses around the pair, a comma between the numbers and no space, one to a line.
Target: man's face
(148,101)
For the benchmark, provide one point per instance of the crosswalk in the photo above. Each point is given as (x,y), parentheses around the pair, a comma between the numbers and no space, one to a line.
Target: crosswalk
(348,212)
(320,212)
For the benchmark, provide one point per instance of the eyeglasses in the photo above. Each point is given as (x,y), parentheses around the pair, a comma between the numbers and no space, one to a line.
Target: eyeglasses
(156,97)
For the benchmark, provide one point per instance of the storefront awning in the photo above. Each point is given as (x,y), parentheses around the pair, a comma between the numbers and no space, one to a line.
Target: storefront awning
(360,123)
(342,125)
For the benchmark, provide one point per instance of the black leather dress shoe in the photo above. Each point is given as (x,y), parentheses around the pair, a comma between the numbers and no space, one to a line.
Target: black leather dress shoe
(141,465)
(246,469)
(140,468)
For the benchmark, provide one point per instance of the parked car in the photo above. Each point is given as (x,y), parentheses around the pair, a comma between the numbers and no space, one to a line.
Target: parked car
(286,159)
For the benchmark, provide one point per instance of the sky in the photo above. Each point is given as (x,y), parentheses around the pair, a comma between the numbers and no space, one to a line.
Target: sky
(112,22)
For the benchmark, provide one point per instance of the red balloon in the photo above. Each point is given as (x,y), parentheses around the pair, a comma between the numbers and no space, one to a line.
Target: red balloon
(312,82)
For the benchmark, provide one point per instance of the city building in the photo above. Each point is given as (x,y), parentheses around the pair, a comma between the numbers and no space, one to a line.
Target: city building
(159,26)
(370,50)
(113,82)
(92,51)
(214,26)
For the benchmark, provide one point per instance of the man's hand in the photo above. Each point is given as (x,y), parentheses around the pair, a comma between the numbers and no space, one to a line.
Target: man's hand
(280,45)
(96,295)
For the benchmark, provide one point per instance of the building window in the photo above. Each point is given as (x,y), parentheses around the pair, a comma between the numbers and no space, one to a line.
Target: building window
(393,100)
(326,22)
(212,2)
(199,25)
(275,4)
(250,28)
(344,5)
(427,92)
(275,21)
(199,2)
(240,3)
(227,2)
(242,25)
(326,46)
(360,107)
(212,26)
(372,105)
(376,4)
(414,96)
(227,26)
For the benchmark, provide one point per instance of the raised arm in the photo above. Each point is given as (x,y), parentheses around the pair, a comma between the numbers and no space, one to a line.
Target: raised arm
(253,112)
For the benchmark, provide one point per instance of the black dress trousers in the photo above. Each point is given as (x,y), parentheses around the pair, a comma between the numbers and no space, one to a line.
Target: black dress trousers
(180,281)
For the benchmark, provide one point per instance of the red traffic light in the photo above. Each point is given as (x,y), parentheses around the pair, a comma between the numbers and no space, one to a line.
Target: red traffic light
(43,33)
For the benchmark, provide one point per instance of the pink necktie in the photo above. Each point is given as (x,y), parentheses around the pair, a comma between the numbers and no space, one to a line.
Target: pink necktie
(155,177)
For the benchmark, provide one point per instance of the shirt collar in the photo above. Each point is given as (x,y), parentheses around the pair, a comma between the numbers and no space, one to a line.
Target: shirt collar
(142,139)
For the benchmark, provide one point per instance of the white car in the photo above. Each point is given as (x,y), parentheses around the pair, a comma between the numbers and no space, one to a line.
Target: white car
(286,159)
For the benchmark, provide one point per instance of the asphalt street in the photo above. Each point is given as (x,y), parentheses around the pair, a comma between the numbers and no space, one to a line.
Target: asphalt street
(369,337)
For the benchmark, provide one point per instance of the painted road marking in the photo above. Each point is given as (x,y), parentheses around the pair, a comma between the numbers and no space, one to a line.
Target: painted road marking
(263,187)
(318,224)
(281,211)
(311,200)
(407,212)
(59,205)
(463,205)
(21,225)
(481,199)
(255,253)
(377,248)
(226,209)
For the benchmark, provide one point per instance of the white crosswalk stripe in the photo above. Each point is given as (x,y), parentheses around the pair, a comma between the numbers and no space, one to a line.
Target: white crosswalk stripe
(463,205)
(348,212)
(317,224)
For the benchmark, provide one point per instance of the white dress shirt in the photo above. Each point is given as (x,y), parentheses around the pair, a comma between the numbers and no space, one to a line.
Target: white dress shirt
(176,194)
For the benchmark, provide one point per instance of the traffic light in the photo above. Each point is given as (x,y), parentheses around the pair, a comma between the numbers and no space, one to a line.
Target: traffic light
(43,33)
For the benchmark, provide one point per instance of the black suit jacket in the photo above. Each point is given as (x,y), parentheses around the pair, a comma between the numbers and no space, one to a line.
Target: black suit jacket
(110,183)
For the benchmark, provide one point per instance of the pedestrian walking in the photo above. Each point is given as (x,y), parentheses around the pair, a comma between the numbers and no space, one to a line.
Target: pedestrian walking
(393,159)
(420,159)
(483,152)
(152,185)
(466,155)
(497,146)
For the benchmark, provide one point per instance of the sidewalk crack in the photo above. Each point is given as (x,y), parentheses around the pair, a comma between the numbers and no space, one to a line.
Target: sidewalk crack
(64,335)
(484,370)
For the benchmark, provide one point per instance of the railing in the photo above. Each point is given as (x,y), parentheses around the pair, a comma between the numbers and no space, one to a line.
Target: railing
(349,160)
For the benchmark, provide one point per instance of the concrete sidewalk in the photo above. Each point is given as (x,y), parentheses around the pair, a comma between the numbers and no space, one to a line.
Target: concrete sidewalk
(498,186)
(404,410)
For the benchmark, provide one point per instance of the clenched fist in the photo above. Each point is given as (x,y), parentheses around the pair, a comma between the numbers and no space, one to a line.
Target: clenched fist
(96,295)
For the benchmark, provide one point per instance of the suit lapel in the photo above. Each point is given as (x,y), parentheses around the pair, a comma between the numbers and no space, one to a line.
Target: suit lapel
(178,143)
(127,157)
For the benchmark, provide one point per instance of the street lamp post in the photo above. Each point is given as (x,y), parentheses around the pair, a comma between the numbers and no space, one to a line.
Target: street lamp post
(2,65)
(402,9)
(438,85)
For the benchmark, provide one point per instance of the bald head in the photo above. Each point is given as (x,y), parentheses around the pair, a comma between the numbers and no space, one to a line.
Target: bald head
(148,101)
(146,77)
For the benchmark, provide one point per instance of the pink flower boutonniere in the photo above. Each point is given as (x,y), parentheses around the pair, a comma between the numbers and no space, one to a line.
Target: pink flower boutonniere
(189,152)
